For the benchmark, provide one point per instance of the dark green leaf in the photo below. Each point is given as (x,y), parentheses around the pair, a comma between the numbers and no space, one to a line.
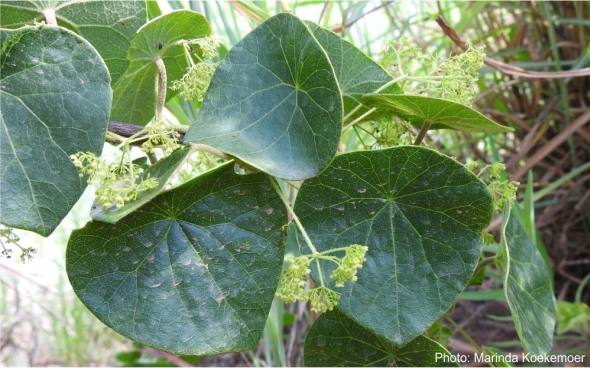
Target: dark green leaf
(420,213)
(527,286)
(194,271)
(357,73)
(108,25)
(135,94)
(335,340)
(164,171)
(55,97)
(442,114)
(274,102)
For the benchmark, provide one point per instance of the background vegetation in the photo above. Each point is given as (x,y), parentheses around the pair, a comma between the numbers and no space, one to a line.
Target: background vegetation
(536,80)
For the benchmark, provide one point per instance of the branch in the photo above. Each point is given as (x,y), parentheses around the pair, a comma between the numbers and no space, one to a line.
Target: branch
(507,68)
(127,130)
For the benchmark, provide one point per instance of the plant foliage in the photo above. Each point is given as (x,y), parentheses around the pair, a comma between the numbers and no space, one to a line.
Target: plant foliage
(190,263)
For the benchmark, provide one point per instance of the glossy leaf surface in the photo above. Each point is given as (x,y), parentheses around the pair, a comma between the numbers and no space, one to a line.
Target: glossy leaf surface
(108,25)
(357,73)
(193,272)
(442,114)
(420,213)
(135,93)
(274,102)
(55,95)
(334,340)
(163,171)
(527,287)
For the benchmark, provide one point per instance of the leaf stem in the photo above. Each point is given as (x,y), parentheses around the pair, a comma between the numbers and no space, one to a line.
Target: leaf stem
(50,17)
(372,110)
(179,166)
(209,149)
(422,133)
(161,86)
(292,184)
(293,216)
(353,111)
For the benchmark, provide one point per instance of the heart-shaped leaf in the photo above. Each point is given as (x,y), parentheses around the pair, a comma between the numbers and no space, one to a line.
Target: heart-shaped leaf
(420,213)
(274,102)
(55,95)
(108,25)
(163,171)
(357,73)
(527,286)
(334,340)
(442,114)
(134,96)
(193,271)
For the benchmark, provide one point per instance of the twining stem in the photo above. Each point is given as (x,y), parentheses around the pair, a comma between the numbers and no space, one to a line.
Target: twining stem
(484,262)
(161,86)
(422,133)
(465,335)
(293,216)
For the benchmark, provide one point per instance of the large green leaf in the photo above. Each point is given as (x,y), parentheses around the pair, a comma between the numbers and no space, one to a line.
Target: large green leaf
(420,213)
(108,25)
(163,171)
(134,98)
(527,286)
(274,102)
(357,73)
(193,271)
(334,340)
(442,114)
(55,96)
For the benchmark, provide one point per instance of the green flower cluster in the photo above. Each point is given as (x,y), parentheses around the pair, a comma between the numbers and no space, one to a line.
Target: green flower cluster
(390,132)
(194,83)
(294,280)
(353,260)
(10,237)
(160,135)
(454,78)
(503,191)
(116,183)
(321,298)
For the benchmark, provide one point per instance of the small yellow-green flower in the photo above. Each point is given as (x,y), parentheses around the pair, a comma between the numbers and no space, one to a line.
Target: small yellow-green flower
(294,280)
(353,260)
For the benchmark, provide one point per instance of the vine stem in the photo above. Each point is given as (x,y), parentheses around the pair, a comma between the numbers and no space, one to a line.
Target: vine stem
(277,189)
(422,133)
(161,86)
(209,149)
(465,335)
